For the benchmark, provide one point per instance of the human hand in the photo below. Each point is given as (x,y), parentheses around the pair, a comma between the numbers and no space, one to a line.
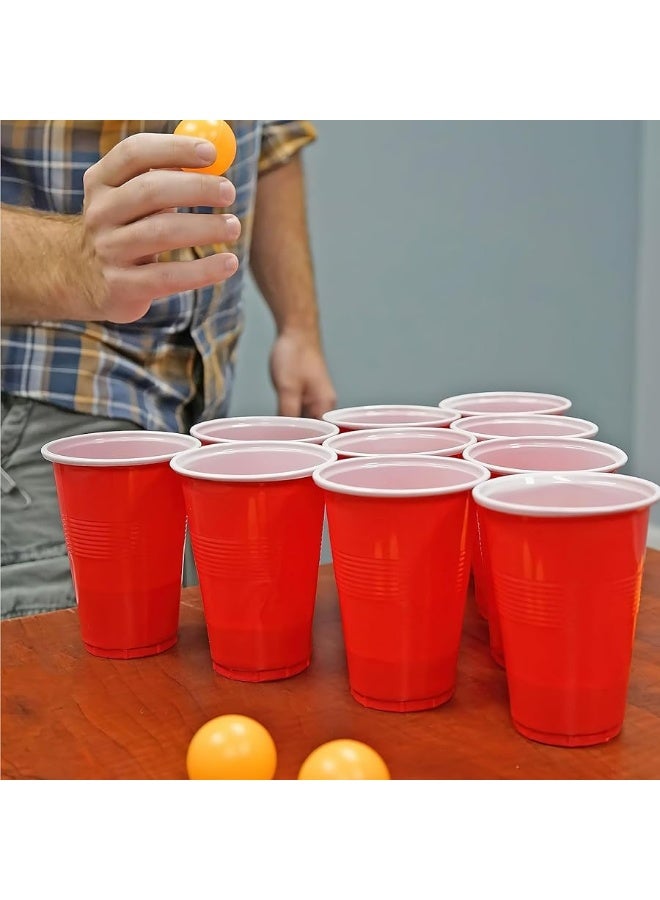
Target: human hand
(129,218)
(300,375)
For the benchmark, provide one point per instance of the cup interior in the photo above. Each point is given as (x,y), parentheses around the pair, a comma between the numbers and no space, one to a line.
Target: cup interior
(264,428)
(103,448)
(257,461)
(371,442)
(513,455)
(389,476)
(390,416)
(520,402)
(554,494)
(512,425)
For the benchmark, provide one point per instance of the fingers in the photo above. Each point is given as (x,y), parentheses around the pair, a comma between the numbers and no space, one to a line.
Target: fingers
(134,288)
(322,403)
(140,152)
(289,402)
(155,191)
(166,231)
(310,398)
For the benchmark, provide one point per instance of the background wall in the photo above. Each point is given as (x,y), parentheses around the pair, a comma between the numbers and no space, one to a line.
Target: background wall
(462,256)
(645,458)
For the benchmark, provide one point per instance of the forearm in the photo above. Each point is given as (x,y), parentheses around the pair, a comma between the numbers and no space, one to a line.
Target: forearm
(46,271)
(280,257)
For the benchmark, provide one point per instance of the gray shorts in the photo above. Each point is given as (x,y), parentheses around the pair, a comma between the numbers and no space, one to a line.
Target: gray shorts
(35,574)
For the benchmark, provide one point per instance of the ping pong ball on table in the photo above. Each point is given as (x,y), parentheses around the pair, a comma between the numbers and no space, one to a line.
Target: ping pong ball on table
(218,132)
(344,759)
(231,747)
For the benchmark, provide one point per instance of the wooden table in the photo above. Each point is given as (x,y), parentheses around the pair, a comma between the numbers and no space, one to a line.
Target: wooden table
(69,715)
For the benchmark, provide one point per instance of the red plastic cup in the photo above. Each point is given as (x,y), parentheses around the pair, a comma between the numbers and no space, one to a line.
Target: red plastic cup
(518,425)
(401,541)
(401,415)
(263,428)
(398,441)
(567,552)
(255,518)
(510,456)
(522,402)
(124,523)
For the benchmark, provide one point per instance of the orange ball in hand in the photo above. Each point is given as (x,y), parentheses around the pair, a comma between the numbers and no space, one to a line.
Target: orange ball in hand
(219,134)
(344,759)
(231,747)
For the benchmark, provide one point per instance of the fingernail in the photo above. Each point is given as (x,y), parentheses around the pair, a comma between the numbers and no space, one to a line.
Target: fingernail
(205,151)
(233,227)
(231,263)
(227,192)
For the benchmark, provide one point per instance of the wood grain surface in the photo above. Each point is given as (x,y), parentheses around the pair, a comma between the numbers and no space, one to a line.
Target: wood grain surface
(69,715)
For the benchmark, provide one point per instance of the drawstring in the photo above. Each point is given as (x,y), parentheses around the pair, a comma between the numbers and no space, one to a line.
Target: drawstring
(8,485)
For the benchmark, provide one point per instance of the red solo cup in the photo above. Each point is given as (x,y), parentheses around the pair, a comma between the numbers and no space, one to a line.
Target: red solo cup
(567,553)
(509,456)
(517,425)
(124,524)
(522,402)
(398,441)
(255,518)
(263,428)
(402,415)
(400,537)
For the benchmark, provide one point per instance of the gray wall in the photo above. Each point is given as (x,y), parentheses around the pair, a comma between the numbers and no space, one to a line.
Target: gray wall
(461,256)
(646,436)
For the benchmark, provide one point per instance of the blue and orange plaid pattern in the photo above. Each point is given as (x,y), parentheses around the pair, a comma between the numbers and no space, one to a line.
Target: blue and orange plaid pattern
(174,366)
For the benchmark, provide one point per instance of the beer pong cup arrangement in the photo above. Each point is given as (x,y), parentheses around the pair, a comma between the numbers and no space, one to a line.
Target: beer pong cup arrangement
(352,418)
(566,552)
(384,441)
(518,425)
(263,428)
(124,523)
(523,402)
(507,456)
(255,518)
(503,484)
(401,541)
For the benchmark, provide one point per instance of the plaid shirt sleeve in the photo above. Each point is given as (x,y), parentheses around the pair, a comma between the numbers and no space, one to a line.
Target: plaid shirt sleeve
(280,141)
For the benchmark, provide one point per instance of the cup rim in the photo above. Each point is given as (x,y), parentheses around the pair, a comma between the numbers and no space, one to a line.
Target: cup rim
(180,460)
(466,422)
(336,441)
(443,417)
(479,474)
(325,429)
(52,449)
(557,403)
(485,494)
(619,456)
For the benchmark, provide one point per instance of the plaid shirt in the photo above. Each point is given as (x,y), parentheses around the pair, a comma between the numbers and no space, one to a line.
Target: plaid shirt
(174,366)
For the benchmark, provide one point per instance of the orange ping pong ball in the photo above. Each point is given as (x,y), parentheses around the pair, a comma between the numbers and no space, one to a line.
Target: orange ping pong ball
(219,134)
(231,747)
(344,759)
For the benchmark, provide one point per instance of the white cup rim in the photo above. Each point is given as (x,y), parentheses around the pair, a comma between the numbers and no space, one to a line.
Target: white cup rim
(617,456)
(181,461)
(485,494)
(471,424)
(337,441)
(477,472)
(323,428)
(460,402)
(441,417)
(54,451)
